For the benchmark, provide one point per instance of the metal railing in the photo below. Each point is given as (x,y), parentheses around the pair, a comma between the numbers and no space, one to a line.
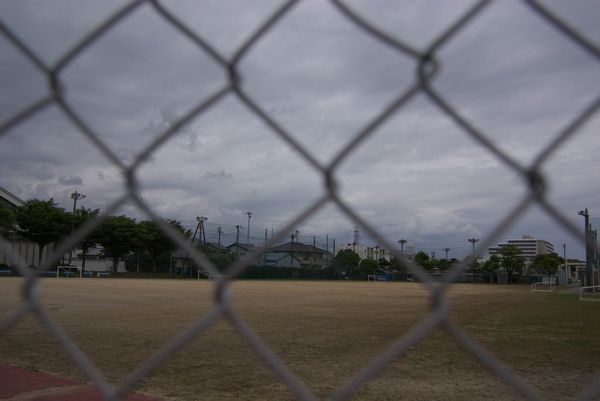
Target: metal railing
(427,63)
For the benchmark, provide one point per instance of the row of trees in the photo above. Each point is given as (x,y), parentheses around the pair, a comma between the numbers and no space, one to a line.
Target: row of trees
(44,222)
(350,261)
(510,259)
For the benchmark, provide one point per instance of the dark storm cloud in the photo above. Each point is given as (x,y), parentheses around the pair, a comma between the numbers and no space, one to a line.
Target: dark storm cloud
(419,176)
(69,181)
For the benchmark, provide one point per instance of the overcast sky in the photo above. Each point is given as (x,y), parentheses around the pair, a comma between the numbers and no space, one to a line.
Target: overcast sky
(418,177)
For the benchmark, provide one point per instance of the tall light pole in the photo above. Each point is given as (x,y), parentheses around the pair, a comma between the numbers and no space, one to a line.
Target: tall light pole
(595,258)
(248,234)
(402,242)
(446,250)
(75,196)
(588,260)
(473,241)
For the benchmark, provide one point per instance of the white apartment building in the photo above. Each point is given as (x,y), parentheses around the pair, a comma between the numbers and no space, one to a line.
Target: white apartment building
(529,246)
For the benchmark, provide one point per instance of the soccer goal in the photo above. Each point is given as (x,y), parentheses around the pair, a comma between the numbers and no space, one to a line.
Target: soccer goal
(210,276)
(64,271)
(373,277)
(591,293)
(543,286)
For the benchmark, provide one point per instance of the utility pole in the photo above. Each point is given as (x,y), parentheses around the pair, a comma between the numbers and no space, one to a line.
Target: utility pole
(75,196)
(293,235)
(327,250)
(201,220)
(588,259)
(237,241)
(266,235)
(446,250)
(248,233)
(219,232)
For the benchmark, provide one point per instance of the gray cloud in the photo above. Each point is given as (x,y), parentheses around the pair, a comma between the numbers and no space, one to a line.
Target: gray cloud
(418,176)
(69,181)
(220,175)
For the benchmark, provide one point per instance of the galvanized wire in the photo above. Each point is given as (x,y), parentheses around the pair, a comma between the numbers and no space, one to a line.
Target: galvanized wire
(427,64)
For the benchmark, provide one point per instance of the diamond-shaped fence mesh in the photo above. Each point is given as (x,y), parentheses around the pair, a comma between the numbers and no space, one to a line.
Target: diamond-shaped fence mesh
(427,63)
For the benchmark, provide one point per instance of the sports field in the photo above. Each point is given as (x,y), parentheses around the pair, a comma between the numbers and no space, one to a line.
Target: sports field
(324,331)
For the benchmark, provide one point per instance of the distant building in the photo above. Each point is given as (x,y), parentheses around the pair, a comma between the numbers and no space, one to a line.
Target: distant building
(366,252)
(18,248)
(97,260)
(241,250)
(529,246)
(280,259)
(9,199)
(219,248)
(310,256)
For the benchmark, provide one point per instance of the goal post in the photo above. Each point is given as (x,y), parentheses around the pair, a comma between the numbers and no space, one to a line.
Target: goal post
(210,276)
(591,293)
(543,286)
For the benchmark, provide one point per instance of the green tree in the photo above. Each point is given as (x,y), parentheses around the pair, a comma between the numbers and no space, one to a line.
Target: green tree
(397,266)
(348,259)
(118,235)
(156,242)
(138,261)
(423,260)
(473,267)
(383,264)
(491,265)
(445,264)
(547,264)
(368,266)
(511,260)
(83,215)
(42,222)
(219,260)
(7,219)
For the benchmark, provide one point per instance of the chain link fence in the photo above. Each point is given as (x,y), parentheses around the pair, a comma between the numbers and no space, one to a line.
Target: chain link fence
(427,63)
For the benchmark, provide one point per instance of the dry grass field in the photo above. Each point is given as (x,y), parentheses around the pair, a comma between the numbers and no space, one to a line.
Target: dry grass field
(324,331)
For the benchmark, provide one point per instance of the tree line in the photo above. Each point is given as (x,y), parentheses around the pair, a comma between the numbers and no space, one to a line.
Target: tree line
(509,258)
(44,222)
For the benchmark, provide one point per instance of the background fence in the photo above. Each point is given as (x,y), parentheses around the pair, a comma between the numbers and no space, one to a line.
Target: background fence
(427,62)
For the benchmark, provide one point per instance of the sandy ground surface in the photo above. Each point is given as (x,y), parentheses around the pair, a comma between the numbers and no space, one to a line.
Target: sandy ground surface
(325,332)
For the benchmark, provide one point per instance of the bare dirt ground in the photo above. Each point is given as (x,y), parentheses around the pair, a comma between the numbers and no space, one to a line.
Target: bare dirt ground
(324,331)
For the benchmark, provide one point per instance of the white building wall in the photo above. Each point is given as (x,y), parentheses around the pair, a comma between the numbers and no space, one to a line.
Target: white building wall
(365,252)
(16,250)
(102,265)
(529,246)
